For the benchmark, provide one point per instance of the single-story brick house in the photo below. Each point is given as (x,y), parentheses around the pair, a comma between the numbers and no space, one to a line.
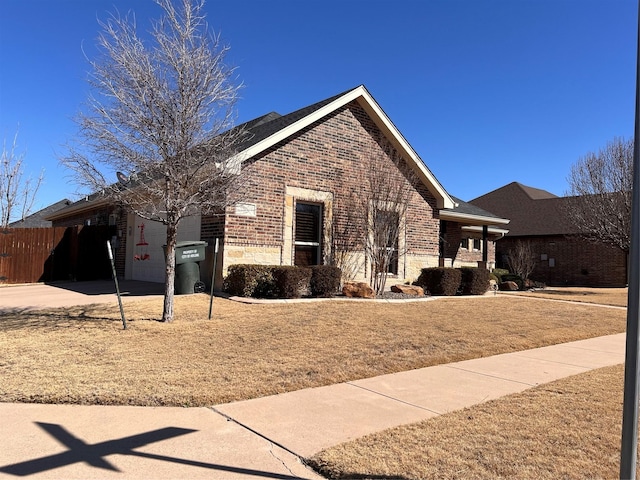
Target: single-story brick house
(38,219)
(300,168)
(563,257)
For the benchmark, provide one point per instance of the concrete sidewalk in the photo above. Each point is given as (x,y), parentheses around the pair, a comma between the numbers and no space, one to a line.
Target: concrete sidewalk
(69,294)
(265,437)
(307,421)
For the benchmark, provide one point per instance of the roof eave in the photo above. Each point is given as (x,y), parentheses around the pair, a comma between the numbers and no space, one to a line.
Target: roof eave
(472,219)
(78,207)
(491,230)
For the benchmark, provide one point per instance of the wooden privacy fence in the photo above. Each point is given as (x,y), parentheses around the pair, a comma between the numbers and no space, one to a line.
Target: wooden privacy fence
(29,255)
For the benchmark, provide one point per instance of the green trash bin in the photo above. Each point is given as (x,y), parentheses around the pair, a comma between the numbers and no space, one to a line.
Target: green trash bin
(188,254)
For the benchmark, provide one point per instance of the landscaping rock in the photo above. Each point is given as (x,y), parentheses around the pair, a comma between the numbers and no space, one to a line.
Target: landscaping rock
(358,290)
(408,289)
(509,286)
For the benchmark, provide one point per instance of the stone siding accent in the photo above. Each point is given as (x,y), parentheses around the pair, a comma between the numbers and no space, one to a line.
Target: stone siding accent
(250,254)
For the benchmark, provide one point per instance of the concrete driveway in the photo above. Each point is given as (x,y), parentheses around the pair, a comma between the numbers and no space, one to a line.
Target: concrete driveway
(67,294)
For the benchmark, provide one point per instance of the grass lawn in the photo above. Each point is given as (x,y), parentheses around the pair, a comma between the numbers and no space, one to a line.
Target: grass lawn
(566,429)
(605,296)
(82,355)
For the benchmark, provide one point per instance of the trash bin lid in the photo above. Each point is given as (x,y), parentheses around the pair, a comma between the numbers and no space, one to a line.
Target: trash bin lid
(188,243)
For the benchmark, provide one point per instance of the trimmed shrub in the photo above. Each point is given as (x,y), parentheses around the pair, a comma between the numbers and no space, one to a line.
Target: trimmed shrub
(474,281)
(291,282)
(498,272)
(512,277)
(325,280)
(250,281)
(439,281)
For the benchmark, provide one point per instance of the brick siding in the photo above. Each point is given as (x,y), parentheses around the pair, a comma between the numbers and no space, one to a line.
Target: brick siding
(452,249)
(326,156)
(578,262)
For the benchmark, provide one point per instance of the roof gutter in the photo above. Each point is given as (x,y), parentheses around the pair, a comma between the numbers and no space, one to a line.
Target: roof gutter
(472,219)
(77,207)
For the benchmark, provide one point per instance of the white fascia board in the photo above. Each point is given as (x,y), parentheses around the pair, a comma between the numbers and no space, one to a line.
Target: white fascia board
(385,124)
(367,102)
(77,207)
(286,132)
(472,219)
(492,230)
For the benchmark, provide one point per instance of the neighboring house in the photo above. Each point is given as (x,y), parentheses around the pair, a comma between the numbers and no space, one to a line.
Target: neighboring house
(562,257)
(301,169)
(37,219)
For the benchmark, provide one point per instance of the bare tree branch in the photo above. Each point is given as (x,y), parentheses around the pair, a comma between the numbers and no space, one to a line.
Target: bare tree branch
(377,217)
(521,259)
(600,187)
(161,114)
(17,192)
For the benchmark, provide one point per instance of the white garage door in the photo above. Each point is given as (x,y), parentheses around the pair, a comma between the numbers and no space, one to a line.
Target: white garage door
(148,260)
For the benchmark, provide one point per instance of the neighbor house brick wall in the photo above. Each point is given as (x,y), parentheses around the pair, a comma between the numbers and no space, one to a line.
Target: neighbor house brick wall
(328,156)
(96,216)
(571,260)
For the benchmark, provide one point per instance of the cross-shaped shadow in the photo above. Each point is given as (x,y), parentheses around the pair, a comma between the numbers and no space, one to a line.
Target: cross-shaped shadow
(79,451)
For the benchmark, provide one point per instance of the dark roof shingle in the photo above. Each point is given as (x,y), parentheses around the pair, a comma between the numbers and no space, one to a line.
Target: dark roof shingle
(532,211)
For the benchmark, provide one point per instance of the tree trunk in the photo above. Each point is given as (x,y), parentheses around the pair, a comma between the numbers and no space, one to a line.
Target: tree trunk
(169,285)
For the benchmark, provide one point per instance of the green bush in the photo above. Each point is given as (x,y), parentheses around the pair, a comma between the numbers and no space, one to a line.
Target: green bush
(250,281)
(474,281)
(325,280)
(498,272)
(281,281)
(291,282)
(512,277)
(439,281)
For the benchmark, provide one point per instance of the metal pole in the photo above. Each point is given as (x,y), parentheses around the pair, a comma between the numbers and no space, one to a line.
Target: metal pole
(115,279)
(213,277)
(629,447)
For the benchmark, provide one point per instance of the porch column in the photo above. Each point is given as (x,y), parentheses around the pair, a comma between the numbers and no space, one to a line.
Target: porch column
(485,244)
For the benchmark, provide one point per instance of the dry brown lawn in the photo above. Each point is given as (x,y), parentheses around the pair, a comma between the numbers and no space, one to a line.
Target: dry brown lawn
(566,429)
(604,296)
(82,354)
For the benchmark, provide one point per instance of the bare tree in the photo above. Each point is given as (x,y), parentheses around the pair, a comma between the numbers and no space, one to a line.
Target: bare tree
(347,234)
(17,192)
(600,187)
(160,118)
(384,200)
(521,259)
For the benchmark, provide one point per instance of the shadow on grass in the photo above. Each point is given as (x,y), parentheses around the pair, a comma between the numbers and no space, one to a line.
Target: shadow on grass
(73,317)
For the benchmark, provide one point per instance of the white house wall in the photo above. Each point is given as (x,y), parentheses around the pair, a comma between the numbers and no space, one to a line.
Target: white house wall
(147,263)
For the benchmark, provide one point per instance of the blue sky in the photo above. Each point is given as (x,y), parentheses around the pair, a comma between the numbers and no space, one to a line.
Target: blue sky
(487,92)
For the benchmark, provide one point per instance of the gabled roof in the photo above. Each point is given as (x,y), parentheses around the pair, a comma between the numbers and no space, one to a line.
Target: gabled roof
(533,212)
(536,193)
(266,135)
(38,219)
(472,214)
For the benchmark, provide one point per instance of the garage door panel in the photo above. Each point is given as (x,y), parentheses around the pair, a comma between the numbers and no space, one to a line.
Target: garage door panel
(148,260)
